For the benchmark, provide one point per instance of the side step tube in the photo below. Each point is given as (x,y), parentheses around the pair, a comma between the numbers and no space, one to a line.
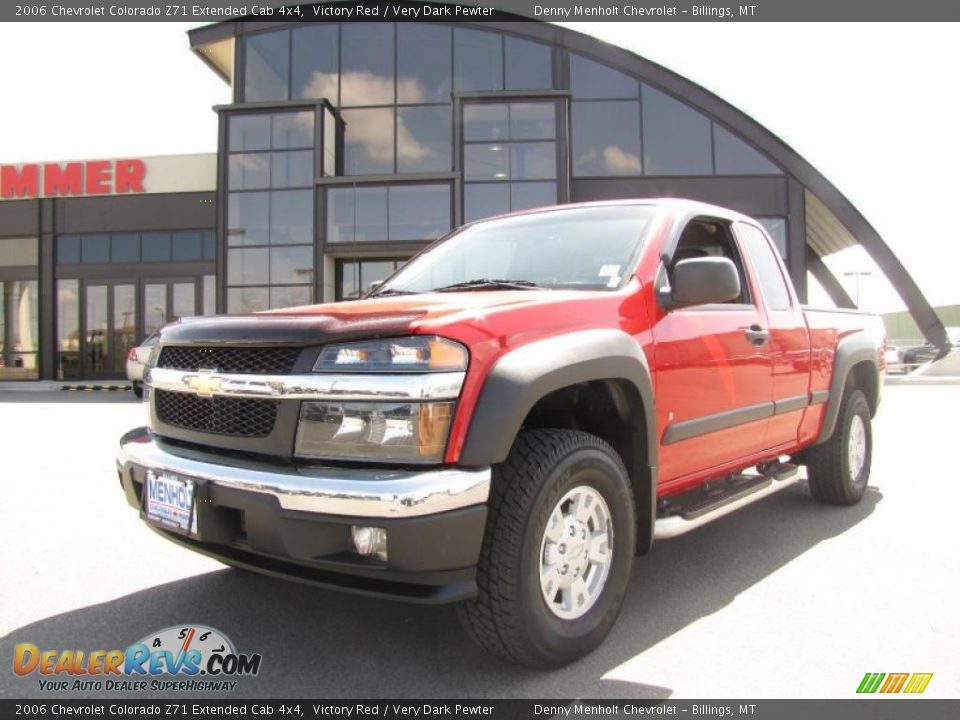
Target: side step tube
(674,525)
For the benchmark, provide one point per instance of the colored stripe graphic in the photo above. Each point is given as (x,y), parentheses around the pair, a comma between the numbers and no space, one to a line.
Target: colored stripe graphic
(870,682)
(918,683)
(894,682)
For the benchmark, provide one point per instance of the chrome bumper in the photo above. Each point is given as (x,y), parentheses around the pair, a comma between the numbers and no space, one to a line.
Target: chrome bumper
(358,492)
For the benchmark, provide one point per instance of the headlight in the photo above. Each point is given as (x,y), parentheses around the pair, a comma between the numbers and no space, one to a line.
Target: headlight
(398,431)
(409,354)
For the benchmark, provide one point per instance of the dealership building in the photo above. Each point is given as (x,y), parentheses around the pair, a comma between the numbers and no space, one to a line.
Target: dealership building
(348,147)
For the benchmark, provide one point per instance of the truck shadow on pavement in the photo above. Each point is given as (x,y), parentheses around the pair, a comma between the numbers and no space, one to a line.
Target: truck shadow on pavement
(319,643)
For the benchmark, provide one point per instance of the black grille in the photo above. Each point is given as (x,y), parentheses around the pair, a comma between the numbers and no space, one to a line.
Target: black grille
(240,417)
(252,360)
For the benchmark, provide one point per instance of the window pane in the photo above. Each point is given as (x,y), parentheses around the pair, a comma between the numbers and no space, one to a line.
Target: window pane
(368,141)
(248,217)
(340,215)
(372,271)
(292,130)
(676,138)
(529,65)
(249,132)
(124,324)
(486,162)
(480,201)
(209,245)
(184,300)
(155,247)
(291,217)
(68,249)
(367,57)
(187,246)
(533,121)
(96,328)
(419,212)
(606,138)
(477,61)
(314,73)
(777,230)
(249,171)
(772,284)
(423,63)
(291,169)
(348,279)
(246,300)
(209,294)
(735,157)
(486,121)
(291,265)
(247,266)
(589,79)
(18,251)
(95,248)
(524,195)
(268,71)
(125,248)
(283,297)
(424,139)
(154,307)
(68,329)
(533,161)
(371,217)
(19,340)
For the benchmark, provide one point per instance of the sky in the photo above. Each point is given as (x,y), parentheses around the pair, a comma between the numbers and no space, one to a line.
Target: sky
(874,107)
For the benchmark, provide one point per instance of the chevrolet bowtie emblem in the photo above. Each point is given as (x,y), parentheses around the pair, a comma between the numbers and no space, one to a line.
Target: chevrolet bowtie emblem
(205,383)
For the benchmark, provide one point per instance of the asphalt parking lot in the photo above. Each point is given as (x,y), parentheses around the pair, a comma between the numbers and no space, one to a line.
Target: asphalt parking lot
(783,599)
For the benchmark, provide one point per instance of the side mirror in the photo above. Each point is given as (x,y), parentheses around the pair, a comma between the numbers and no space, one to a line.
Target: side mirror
(699,281)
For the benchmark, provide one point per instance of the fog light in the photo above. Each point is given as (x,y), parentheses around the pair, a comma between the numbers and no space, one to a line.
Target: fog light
(370,541)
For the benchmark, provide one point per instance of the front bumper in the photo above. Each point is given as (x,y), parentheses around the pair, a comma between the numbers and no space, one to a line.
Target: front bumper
(295,521)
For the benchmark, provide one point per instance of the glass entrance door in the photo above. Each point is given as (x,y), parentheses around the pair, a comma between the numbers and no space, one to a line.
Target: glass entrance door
(109,329)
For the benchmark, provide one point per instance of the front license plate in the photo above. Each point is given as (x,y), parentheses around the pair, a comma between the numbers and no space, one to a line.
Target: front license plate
(171,502)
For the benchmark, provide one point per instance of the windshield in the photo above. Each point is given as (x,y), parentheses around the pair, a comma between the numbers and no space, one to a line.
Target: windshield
(587,248)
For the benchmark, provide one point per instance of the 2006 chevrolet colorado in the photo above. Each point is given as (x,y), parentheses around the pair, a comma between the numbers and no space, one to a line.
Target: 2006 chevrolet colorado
(510,418)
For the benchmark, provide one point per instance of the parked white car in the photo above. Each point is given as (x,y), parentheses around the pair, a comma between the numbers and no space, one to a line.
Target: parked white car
(137,361)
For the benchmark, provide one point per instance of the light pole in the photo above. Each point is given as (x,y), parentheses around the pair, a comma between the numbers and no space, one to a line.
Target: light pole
(856,275)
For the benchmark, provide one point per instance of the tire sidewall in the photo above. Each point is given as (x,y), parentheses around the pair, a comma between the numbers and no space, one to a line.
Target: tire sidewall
(856,406)
(555,639)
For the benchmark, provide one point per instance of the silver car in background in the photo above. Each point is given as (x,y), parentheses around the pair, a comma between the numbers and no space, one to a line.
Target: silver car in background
(137,361)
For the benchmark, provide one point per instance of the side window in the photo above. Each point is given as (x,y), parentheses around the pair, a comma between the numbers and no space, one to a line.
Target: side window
(709,238)
(772,284)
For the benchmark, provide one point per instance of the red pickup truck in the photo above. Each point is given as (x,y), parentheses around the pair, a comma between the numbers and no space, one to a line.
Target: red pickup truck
(511,418)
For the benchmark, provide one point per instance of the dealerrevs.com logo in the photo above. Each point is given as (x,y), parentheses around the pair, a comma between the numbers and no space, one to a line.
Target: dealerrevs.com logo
(909,683)
(188,658)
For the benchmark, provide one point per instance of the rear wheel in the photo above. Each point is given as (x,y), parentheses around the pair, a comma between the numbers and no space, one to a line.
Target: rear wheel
(838,469)
(557,552)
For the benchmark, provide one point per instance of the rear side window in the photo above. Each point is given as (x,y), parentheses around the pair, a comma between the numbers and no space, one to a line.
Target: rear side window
(772,284)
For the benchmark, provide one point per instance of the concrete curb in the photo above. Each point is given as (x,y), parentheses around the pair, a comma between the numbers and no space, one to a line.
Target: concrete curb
(55,386)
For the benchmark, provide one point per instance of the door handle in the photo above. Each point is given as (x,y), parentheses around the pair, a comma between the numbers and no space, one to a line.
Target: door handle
(757,335)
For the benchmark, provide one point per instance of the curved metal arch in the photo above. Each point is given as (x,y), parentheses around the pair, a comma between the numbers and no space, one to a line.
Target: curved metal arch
(711,105)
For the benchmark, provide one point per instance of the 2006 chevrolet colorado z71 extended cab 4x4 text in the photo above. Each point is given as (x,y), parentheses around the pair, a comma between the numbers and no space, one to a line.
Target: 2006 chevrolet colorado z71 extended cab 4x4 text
(510,418)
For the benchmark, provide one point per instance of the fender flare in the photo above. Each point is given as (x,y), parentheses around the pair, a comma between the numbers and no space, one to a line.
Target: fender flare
(851,351)
(521,377)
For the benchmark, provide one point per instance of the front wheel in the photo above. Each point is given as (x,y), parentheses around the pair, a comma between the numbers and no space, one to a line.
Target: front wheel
(839,468)
(557,552)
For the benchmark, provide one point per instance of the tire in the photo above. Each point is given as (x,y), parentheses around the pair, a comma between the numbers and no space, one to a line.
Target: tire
(836,472)
(549,474)
(138,389)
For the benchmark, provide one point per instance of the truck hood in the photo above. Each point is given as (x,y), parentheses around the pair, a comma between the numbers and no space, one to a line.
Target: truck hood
(377,317)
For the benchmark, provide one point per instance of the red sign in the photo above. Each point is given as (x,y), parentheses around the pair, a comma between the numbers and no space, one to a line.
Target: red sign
(73,179)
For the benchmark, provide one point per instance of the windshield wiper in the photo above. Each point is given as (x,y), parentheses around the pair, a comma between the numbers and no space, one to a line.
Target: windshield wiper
(390,291)
(488,284)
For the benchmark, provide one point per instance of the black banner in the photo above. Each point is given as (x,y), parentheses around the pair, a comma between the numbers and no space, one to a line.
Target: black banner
(877,709)
(207,11)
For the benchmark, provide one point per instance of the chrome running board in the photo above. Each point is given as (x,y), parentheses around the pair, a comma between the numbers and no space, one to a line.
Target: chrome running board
(746,490)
